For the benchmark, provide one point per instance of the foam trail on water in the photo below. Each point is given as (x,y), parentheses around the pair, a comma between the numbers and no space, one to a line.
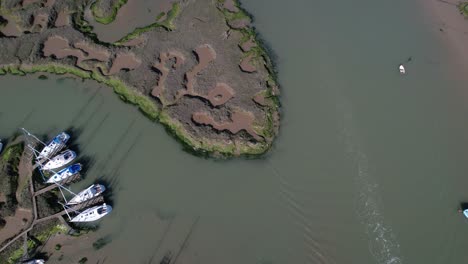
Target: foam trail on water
(383,244)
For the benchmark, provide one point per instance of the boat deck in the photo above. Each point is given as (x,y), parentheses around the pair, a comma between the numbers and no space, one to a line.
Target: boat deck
(74,178)
(51,154)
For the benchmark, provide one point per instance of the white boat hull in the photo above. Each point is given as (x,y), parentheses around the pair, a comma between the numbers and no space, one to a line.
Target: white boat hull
(465,213)
(65,173)
(402,69)
(89,193)
(92,214)
(60,160)
(34,261)
(55,145)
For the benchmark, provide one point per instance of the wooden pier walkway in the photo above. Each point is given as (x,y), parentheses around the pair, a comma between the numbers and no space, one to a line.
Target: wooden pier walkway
(25,246)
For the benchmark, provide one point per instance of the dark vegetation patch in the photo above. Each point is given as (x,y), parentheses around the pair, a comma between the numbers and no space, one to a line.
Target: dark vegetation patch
(463,7)
(101,242)
(47,203)
(9,178)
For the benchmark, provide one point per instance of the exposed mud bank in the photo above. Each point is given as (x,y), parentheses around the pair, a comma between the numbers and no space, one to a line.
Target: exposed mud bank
(199,69)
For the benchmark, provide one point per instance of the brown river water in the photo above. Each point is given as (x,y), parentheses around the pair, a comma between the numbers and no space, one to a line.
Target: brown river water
(369,167)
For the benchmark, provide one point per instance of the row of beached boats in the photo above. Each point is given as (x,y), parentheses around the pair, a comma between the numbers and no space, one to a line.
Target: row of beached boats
(55,162)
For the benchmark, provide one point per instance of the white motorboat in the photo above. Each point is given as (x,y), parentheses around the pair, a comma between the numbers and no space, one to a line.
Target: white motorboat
(60,160)
(465,213)
(89,193)
(402,69)
(65,173)
(34,261)
(54,146)
(92,214)
(1,146)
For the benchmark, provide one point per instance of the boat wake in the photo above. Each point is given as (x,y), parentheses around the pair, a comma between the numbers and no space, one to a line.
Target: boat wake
(314,252)
(382,241)
(383,244)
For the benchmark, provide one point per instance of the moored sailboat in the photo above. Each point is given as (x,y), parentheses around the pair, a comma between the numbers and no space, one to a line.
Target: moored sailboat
(55,145)
(92,214)
(89,193)
(60,160)
(65,173)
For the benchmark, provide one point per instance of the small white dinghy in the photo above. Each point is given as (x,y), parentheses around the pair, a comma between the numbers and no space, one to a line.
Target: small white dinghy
(89,193)
(402,69)
(60,160)
(65,173)
(54,145)
(92,214)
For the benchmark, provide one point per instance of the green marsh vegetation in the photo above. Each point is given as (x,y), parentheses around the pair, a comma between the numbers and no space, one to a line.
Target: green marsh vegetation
(463,7)
(167,24)
(99,14)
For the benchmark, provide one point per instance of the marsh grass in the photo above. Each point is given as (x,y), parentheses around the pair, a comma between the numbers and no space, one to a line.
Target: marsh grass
(99,15)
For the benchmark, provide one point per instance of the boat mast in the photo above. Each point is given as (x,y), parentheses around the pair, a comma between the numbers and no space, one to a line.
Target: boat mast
(56,183)
(38,164)
(35,152)
(27,135)
(33,136)
(65,188)
(64,198)
(65,208)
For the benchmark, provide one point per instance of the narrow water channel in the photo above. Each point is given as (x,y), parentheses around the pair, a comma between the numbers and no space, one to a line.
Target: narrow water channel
(369,167)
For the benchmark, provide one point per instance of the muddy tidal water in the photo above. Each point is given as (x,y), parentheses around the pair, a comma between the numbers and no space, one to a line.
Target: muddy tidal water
(370,166)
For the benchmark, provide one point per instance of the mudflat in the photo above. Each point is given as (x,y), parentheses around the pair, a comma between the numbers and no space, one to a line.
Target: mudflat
(445,17)
(199,67)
